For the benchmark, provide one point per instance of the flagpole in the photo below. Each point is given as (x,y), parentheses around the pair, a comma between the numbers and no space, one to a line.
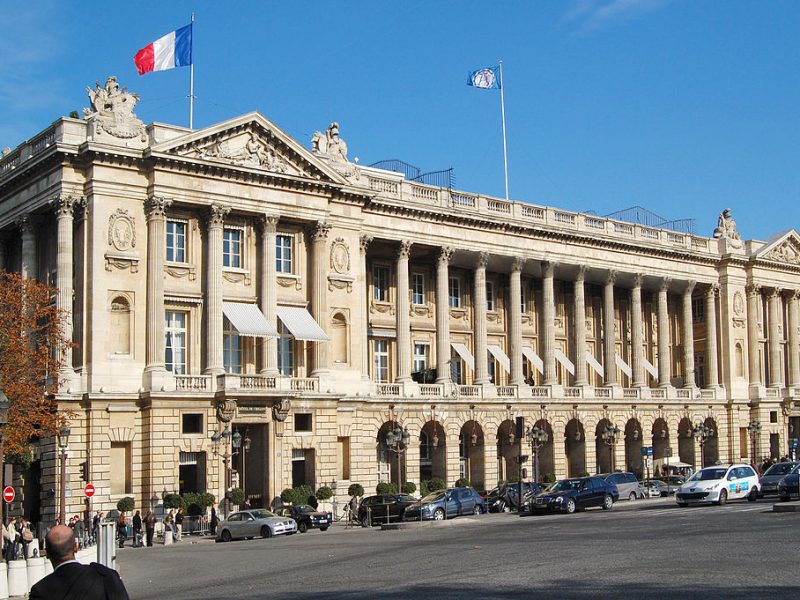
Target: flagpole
(503,112)
(191,85)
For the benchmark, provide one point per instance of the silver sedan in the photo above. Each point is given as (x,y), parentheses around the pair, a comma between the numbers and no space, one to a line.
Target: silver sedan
(253,523)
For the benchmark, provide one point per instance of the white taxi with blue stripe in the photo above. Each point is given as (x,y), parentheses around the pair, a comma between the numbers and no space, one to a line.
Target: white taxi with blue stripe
(718,484)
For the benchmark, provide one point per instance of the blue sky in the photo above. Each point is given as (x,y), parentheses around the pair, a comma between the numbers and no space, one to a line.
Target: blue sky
(683,107)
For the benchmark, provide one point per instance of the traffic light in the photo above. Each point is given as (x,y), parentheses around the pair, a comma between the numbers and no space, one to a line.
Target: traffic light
(85,470)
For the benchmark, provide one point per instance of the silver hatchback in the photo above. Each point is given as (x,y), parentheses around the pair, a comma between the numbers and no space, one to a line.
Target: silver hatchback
(627,484)
(254,523)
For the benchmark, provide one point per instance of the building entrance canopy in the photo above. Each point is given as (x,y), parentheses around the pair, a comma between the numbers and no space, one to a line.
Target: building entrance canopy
(248,320)
(301,324)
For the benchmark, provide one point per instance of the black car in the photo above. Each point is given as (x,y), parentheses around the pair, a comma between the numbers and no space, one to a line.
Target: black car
(569,495)
(788,487)
(383,508)
(309,518)
(504,497)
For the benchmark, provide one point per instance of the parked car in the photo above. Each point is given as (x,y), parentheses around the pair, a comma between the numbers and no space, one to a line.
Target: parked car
(658,489)
(719,484)
(788,486)
(383,508)
(569,495)
(771,478)
(674,480)
(504,497)
(627,485)
(446,504)
(252,523)
(309,518)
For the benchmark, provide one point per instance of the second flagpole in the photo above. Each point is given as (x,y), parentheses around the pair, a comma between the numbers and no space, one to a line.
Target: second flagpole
(191,86)
(503,112)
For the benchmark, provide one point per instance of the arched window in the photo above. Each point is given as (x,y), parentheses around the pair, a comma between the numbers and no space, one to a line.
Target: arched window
(739,360)
(120,330)
(339,344)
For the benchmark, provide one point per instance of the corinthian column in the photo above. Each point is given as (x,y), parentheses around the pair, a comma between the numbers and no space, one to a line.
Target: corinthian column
(688,337)
(269,292)
(580,328)
(663,336)
(754,363)
(515,320)
(64,206)
(793,349)
(319,294)
(712,368)
(27,227)
(214,347)
(402,314)
(364,242)
(637,333)
(443,317)
(481,357)
(155,211)
(609,334)
(549,329)
(775,357)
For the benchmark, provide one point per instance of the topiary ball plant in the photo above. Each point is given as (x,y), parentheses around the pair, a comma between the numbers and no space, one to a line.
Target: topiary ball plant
(126,504)
(355,489)
(462,482)
(385,488)
(173,501)
(409,487)
(236,495)
(324,493)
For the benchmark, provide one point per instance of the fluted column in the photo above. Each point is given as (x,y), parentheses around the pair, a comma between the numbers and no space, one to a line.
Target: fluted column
(364,242)
(663,336)
(481,358)
(402,314)
(549,329)
(27,228)
(515,321)
(793,347)
(637,333)
(215,364)
(712,361)
(155,210)
(754,363)
(64,206)
(581,377)
(443,316)
(609,334)
(688,337)
(319,294)
(774,342)
(269,292)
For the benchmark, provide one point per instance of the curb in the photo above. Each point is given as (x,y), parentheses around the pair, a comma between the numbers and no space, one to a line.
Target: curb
(786,508)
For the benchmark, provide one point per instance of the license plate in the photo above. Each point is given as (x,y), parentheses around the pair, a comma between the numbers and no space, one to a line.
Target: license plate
(323,521)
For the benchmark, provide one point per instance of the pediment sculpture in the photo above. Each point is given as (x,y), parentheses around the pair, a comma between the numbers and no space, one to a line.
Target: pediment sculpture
(111,111)
(726,229)
(786,252)
(247,151)
(333,148)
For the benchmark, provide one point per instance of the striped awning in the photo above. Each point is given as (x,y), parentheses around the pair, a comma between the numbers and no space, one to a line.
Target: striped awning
(465,354)
(536,361)
(564,360)
(500,357)
(248,320)
(301,324)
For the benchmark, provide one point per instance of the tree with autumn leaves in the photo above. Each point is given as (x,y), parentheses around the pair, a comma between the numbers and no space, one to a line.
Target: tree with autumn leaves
(32,351)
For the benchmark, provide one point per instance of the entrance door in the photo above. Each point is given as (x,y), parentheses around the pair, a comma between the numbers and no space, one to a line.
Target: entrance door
(192,472)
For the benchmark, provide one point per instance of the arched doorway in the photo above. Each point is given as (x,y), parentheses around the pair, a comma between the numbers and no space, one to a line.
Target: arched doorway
(391,457)
(686,442)
(604,449)
(662,453)
(432,452)
(575,448)
(507,452)
(633,448)
(545,461)
(471,454)
(711,445)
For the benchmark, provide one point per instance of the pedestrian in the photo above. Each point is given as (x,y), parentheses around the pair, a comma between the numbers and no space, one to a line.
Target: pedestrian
(71,579)
(214,519)
(80,531)
(179,525)
(312,501)
(150,527)
(26,536)
(11,539)
(137,530)
(96,520)
(169,526)
(122,529)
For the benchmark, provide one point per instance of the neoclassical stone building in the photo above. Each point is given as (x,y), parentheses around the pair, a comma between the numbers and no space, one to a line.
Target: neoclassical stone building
(231,280)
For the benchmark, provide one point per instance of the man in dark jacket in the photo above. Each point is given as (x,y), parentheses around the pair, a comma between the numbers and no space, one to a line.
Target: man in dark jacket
(137,529)
(71,580)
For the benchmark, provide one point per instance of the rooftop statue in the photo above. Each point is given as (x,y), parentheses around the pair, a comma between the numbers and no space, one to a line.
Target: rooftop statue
(112,111)
(726,229)
(330,146)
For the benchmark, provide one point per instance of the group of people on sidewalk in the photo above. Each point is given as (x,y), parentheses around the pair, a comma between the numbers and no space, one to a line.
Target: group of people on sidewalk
(172,521)
(17,535)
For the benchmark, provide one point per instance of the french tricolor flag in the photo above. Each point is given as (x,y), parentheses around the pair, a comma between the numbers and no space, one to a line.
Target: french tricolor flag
(172,50)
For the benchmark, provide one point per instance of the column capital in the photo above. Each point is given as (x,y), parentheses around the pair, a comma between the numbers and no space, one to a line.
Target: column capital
(27,223)
(156,207)
(483,260)
(792,295)
(517,263)
(611,277)
(712,290)
(689,287)
(637,280)
(581,277)
(548,268)
(753,289)
(664,285)
(320,231)
(404,251)
(269,222)
(363,242)
(445,254)
(64,204)
(773,293)
(215,218)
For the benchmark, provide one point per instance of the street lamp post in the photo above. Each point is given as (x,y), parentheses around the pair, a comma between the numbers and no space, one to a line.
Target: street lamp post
(609,436)
(702,432)
(236,444)
(3,422)
(537,437)
(217,438)
(63,444)
(754,427)
(397,440)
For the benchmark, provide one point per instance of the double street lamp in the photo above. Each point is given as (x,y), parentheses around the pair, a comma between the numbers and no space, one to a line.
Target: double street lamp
(63,444)
(609,436)
(537,437)
(702,432)
(754,427)
(397,441)
(222,437)
(243,444)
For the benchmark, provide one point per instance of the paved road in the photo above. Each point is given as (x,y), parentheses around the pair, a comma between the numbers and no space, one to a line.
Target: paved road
(651,549)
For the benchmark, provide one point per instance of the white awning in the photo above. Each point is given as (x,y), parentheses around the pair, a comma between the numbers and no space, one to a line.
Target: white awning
(465,354)
(534,358)
(301,324)
(183,299)
(500,357)
(622,365)
(598,368)
(565,361)
(248,320)
(650,368)
(382,333)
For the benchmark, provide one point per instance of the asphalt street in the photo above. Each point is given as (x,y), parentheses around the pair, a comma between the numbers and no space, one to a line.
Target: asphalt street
(649,548)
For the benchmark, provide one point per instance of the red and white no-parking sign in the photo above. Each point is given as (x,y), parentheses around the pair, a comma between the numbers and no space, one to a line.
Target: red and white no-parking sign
(9,494)
(89,490)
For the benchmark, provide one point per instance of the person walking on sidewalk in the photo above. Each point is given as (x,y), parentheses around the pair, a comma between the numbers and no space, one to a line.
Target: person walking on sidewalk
(150,527)
(137,530)
(122,529)
(179,525)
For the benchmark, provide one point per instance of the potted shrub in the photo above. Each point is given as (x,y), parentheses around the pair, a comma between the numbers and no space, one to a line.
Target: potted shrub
(462,482)
(324,494)
(236,496)
(126,504)
(385,487)
(173,501)
(355,489)
(409,487)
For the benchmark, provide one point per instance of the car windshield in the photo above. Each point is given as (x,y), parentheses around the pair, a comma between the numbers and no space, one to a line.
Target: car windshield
(709,474)
(433,497)
(781,469)
(262,514)
(304,508)
(565,485)
(404,499)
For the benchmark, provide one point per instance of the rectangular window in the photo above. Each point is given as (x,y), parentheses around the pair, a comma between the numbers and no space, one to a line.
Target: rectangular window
(343,457)
(303,422)
(522,300)
(192,423)
(285,351)
(489,295)
(381,361)
(421,351)
(491,367)
(698,310)
(283,254)
(456,369)
(231,348)
(455,292)
(418,289)
(232,248)
(176,241)
(120,468)
(773,416)
(175,342)
(380,283)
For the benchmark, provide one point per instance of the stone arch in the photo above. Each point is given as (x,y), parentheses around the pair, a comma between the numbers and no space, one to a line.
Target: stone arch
(544,457)
(507,451)
(604,451)
(120,325)
(633,447)
(662,451)
(432,451)
(686,452)
(391,462)
(339,344)
(575,447)
(472,454)
(711,445)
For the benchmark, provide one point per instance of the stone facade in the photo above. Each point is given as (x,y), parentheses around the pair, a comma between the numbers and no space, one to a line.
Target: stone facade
(355,283)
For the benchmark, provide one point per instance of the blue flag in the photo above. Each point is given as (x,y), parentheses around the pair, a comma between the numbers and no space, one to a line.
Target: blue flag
(486,79)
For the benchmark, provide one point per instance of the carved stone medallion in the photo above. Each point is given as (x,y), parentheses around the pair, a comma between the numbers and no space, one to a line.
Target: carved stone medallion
(121,230)
(738,304)
(340,256)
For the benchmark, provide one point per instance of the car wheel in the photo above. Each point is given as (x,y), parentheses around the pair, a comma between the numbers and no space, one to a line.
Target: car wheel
(266,532)
(365,521)
(753,495)
(501,506)
(226,536)
(632,496)
(608,502)
(302,527)
(476,510)
(570,508)
(723,498)
(438,514)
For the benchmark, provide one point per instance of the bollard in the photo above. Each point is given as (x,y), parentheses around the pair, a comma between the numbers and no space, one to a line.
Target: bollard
(3,581)
(17,578)
(48,567)
(35,571)
(167,537)
(107,546)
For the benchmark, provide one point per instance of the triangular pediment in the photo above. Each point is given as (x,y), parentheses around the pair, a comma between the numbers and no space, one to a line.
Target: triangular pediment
(250,141)
(783,248)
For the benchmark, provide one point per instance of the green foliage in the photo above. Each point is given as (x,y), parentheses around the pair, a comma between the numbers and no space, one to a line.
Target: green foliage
(462,482)
(298,495)
(236,496)
(432,485)
(355,489)
(73,114)
(409,487)
(583,474)
(23,460)
(126,504)
(196,504)
(549,478)
(173,501)
(513,478)
(324,493)
(386,488)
